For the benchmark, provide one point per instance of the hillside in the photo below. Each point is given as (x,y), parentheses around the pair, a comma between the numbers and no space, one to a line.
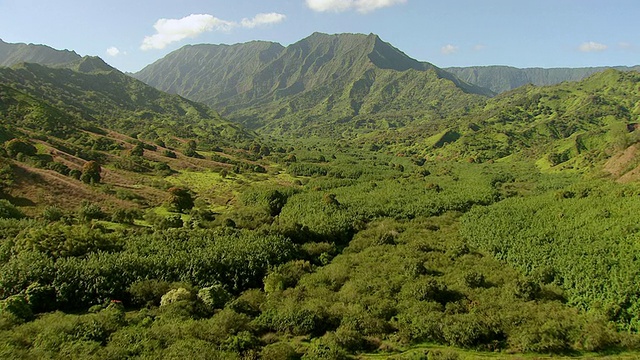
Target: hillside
(61,119)
(322,84)
(571,125)
(11,54)
(504,78)
(95,93)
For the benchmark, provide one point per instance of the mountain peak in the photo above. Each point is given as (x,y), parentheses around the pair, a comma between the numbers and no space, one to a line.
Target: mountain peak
(90,64)
(328,76)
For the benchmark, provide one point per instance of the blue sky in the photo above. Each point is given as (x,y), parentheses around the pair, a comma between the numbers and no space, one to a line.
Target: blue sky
(543,33)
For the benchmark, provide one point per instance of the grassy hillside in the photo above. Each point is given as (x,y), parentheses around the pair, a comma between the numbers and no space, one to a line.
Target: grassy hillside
(55,121)
(570,126)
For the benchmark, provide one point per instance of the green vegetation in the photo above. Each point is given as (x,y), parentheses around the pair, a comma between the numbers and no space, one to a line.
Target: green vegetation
(306,88)
(422,222)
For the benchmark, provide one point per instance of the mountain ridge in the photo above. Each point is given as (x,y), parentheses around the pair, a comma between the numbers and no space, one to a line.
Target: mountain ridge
(321,78)
(14,53)
(92,93)
(500,78)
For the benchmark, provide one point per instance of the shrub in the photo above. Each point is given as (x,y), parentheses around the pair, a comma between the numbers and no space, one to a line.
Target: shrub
(214,296)
(17,146)
(52,213)
(16,306)
(91,173)
(88,212)
(170,222)
(40,297)
(175,296)
(181,199)
(279,351)
(148,292)
(59,168)
(169,154)
(474,279)
(9,211)
(75,173)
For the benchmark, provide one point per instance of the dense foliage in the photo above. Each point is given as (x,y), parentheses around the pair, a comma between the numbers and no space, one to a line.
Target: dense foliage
(133,224)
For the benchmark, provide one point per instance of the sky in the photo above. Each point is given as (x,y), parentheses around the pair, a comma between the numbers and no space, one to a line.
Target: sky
(130,34)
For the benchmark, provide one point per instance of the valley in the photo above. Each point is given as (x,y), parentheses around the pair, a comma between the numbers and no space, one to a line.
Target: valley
(331,199)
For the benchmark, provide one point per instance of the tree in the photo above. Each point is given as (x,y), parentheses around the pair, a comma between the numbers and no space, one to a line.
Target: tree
(181,199)
(91,173)
(17,146)
(6,174)
(137,150)
(190,149)
(9,211)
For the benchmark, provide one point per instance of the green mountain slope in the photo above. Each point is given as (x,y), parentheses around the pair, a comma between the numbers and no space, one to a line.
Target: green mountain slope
(570,125)
(335,80)
(504,78)
(56,122)
(11,54)
(97,94)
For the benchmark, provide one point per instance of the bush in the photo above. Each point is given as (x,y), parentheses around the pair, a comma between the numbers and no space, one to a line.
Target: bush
(16,306)
(214,297)
(52,213)
(181,199)
(59,168)
(169,154)
(279,351)
(17,146)
(8,211)
(175,296)
(41,298)
(170,222)
(324,349)
(91,173)
(148,292)
(88,212)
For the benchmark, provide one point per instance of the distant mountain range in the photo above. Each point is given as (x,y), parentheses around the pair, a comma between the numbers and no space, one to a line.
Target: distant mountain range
(504,78)
(325,85)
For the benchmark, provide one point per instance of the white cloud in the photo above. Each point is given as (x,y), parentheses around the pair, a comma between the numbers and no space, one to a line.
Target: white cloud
(449,49)
(362,6)
(171,30)
(263,19)
(113,51)
(625,45)
(479,47)
(592,46)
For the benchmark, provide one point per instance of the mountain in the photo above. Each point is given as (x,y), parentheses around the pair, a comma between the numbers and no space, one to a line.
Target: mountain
(11,54)
(321,84)
(573,125)
(91,93)
(504,78)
